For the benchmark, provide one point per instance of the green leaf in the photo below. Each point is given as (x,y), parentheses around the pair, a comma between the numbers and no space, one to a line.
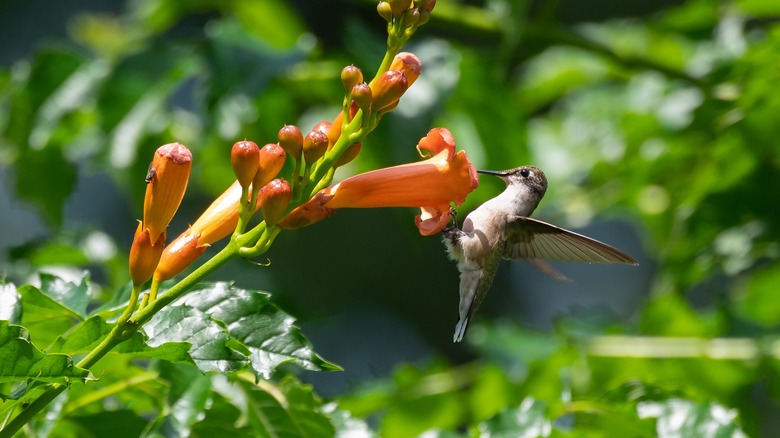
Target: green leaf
(122,423)
(10,303)
(19,359)
(528,419)
(209,339)
(75,297)
(291,409)
(680,417)
(758,301)
(345,424)
(43,316)
(188,396)
(265,330)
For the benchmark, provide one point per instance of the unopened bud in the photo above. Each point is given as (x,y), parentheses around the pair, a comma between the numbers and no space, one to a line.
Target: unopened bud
(275,197)
(411,17)
(179,254)
(399,7)
(351,76)
(244,159)
(220,218)
(390,86)
(291,140)
(348,155)
(144,254)
(425,5)
(166,183)
(314,146)
(361,94)
(323,127)
(408,64)
(271,161)
(384,10)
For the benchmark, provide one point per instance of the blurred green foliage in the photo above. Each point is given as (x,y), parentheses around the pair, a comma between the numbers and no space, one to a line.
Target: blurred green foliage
(666,117)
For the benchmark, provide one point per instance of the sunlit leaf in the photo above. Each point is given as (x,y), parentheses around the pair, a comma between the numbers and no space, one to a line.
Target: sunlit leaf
(207,337)
(73,296)
(680,417)
(267,332)
(10,303)
(527,420)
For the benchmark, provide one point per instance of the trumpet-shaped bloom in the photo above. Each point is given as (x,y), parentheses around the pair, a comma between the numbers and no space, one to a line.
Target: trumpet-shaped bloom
(445,176)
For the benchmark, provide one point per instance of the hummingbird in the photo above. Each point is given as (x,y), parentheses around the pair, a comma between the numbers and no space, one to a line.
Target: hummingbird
(501,228)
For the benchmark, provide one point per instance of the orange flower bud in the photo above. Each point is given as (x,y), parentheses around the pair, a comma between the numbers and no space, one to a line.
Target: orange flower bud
(390,86)
(275,197)
(351,76)
(291,140)
(323,127)
(425,7)
(384,10)
(314,146)
(178,255)
(271,160)
(244,159)
(361,94)
(144,254)
(348,155)
(220,218)
(408,64)
(166,184)
(399,7)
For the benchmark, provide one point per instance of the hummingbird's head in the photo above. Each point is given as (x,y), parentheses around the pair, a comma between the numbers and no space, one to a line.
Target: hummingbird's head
(529,176)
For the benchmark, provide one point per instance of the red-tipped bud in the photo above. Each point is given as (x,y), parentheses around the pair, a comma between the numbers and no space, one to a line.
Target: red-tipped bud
(351,76)
(348,155)
(166,183)
(314,146)
(408,64)
(323,127)
(271,161)
(144,254)
(243,157)
(390,86)
(275,197)
(399,7)
(291,140)
(425,7)
(361,94)
(384,10)
(179,254)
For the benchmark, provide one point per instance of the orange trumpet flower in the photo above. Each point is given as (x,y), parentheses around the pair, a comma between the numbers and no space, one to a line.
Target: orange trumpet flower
(432,184)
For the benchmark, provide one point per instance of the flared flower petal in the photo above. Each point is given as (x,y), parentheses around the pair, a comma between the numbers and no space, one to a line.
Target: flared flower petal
(430,184)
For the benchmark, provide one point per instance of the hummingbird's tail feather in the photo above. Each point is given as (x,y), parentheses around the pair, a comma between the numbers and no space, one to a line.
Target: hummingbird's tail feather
(469,281)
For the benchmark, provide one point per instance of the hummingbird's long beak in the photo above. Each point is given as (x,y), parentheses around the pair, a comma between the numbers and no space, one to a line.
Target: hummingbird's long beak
(493,172)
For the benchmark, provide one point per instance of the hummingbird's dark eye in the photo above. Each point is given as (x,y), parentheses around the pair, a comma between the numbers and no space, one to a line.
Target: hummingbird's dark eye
(525,173)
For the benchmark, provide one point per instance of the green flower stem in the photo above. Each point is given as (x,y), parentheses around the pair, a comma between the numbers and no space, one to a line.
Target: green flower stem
(131,305)
(245,211)
(262,245)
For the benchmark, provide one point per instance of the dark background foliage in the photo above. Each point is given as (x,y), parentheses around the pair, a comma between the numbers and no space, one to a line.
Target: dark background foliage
(656,123)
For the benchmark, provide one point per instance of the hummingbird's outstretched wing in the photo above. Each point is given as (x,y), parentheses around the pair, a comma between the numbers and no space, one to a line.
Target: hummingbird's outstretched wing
(528,238)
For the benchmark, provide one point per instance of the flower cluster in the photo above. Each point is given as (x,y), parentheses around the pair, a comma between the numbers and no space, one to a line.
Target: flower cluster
(302,193)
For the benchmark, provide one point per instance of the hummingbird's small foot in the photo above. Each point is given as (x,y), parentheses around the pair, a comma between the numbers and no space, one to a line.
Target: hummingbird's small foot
(452,232)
